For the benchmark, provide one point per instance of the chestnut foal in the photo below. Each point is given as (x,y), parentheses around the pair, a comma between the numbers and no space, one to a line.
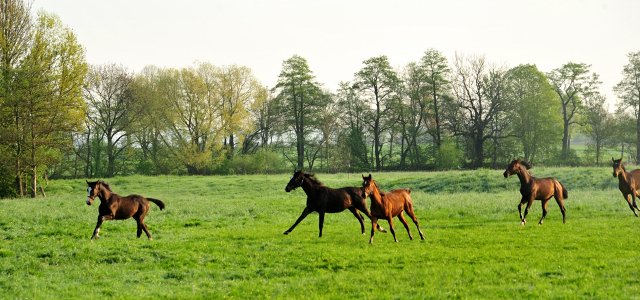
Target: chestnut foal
(388,205)
(629,183)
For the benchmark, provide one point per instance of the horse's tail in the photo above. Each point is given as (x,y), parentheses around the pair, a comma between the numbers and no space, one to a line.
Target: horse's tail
(565,193)
(157,202)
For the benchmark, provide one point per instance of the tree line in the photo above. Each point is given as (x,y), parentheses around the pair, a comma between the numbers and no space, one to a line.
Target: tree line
(63,118)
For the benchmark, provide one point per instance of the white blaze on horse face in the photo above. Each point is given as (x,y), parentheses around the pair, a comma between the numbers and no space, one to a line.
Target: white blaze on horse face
(89,195)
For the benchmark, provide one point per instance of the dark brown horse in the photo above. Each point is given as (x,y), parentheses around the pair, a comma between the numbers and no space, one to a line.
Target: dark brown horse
(327,200)
(388,205)
(533,188)
(629,182)
(114,206)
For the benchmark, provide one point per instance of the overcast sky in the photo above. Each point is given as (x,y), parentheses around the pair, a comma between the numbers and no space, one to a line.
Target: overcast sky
(336,36)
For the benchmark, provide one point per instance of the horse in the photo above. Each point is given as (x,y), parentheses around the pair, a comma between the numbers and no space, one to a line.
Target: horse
(327,200)
(113,206)
(388,205)
(629,182)
(533,188)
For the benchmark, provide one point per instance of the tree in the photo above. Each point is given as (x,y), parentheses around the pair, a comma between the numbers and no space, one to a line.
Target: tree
(537,119)
(571,82)
(479,104)
(299,99)
(15,37)
(238,90)
(108,94)
(352,109)
(436,71)
(378,83)
(194,116)
(600,123)
(628,91)
(43,66)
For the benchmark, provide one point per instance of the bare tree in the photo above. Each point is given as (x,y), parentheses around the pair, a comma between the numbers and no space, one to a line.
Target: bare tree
(106,90)
(478,104)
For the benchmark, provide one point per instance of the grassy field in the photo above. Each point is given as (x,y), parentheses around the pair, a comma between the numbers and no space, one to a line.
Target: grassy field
(221,237)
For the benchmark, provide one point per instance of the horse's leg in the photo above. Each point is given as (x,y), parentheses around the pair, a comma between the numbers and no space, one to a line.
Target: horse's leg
(305,212)
(544,210)
(412,215)
(406,225)
(522,201)
(146,230)
(633,197)
(139,232)
(97,230)
(320,221)
(393,231)
(363,207)
(626,197)
(526,210)
(356,213)
(562,209)
(374,224)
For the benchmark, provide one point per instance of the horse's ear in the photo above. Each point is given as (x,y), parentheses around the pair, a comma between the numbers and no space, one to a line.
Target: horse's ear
(613,159)
(87,181)
(363,176)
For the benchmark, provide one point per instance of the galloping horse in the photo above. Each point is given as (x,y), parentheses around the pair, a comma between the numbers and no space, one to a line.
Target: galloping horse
(533,188)
(327,200)
(114,206)
(388,205)
(629,182)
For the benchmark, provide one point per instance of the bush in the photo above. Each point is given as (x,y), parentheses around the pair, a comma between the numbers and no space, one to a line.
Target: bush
(263,161)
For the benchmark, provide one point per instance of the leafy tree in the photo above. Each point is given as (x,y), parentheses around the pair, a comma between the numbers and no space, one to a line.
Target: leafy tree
(600,123)
(237,89)
(194,116)
(352,109)
(628,91)
(379,85)
(572,83)
(43,68)
(436,86)
(536,108)
(299,97)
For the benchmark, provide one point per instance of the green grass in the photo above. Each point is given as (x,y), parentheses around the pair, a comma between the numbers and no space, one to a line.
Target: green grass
(221,237)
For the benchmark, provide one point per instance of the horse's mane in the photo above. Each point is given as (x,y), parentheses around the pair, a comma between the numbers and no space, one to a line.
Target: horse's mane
(312,177)
(379,190)
(526,164)
(106,185)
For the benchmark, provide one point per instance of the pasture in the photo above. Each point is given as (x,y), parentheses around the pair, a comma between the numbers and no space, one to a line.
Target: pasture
(222,237)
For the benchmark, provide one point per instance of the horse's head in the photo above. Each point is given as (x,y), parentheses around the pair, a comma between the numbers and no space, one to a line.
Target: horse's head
(93,189)
(368,185)
(515,167)
(617,167)
(295,181)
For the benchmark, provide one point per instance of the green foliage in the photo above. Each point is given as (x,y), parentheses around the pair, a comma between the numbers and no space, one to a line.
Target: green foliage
(263,161)
(221,237)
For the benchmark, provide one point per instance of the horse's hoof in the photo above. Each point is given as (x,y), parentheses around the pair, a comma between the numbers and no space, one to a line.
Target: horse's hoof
(522,223)
(286,233)
(382,230)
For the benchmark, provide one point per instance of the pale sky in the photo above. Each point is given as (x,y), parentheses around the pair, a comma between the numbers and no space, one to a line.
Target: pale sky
(336,36)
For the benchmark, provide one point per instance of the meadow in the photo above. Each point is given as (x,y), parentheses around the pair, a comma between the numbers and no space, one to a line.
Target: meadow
(222,237)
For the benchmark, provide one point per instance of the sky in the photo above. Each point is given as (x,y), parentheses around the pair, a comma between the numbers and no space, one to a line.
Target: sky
(335,37)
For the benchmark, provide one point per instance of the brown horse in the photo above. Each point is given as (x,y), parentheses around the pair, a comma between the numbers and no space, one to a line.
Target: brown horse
(629,182)
(114,206)
(388,205)
(533,188)
(327,200)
